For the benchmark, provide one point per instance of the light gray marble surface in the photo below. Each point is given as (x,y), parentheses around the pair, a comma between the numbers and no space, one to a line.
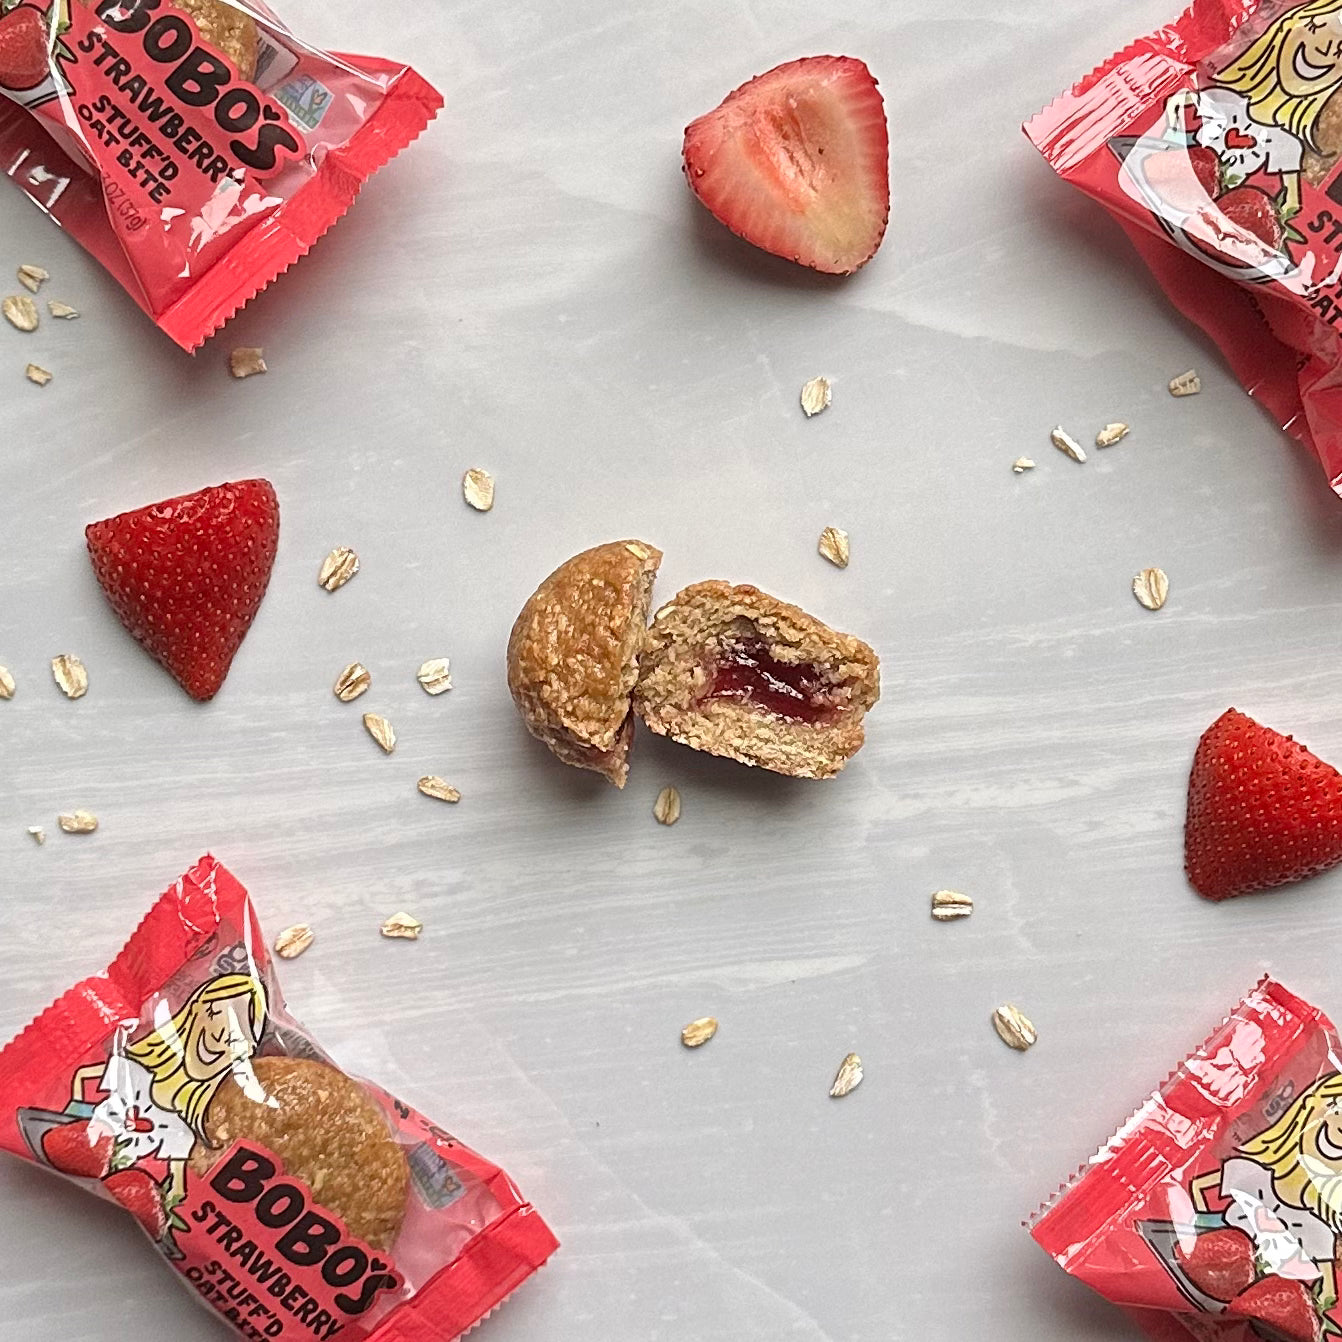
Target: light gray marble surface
(532,290)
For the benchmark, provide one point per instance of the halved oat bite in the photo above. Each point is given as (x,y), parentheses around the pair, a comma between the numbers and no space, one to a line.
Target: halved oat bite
(736,672)
(573,655)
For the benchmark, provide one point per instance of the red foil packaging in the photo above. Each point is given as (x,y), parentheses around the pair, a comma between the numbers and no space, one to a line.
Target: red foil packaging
(1214,1212)
(297,1202)
(196,173)
(1216,141)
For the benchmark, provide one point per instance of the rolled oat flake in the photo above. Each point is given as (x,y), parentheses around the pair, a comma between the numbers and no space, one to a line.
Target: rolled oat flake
(435,675)
(698,1032)
(948,905)
(403,927)
(338,568)
(1014,1028)
(69,673)
(20,312)
(380,730)
(848,1078)
(353,681)
(1066,444)
(293,941)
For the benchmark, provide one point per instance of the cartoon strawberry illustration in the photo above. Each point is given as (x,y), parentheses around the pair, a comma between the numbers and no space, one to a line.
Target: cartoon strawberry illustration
(1280,1309)
(82,1149)
(1255,212)
(140,1196)
(24,62)
(1219,1263)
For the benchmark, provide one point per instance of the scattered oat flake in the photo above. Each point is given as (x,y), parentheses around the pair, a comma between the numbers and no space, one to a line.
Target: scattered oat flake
(849,1077)
(32,277)
(834,546)
(435,675)
(433,786)
(1014,1027)
(353,681)
(402,925)
(70,675)
(293,941)
(1186,384)
(63,311)
(667,806)
(6,683)
(950,904)
(38,833)
(20,311)
(34,373)
(1021,465)
(338,568)
(78,822)
(1066,444)
(380,730)
(477,488)
(815,396)
(246,361)
(698,1032)
(1151,587)
(1111,434)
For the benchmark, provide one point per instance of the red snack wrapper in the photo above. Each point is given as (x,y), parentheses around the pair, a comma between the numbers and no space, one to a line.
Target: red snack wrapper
(197,151)
(296,1201)
(1217,143)
(1215,1211)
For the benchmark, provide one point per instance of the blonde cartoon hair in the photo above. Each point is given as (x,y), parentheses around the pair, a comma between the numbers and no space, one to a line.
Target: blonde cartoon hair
(1253,73)
(1301,1178)
(161,1051)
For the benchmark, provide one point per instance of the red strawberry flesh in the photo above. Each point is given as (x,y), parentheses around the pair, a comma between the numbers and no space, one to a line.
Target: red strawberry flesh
(140,1196)
(1219,1262)
(1280,1309)
(24,63)
(797,162)
(186,576)
(81,1149)
(1262,810)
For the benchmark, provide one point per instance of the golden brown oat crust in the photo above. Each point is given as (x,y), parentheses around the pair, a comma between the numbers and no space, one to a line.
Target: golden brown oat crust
(573,654)
(676,663)
(326,1130)
(225,27)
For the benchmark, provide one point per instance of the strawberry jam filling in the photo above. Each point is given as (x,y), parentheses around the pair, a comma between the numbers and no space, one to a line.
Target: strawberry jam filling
(742,669)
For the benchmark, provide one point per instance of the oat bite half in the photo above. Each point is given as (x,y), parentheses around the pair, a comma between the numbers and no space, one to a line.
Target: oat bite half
(573,655)
(735,672)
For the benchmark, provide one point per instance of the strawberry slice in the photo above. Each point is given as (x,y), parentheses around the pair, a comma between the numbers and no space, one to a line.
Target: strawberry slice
(797,162)
(24,62)
(1280,1309)
(186,576)
(1219,1263)
(81,1149)
(1262,810)
(141,1196)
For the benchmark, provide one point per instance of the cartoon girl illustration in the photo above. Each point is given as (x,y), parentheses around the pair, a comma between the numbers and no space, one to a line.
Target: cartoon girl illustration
(1284,1189)
(158,1087)
(1261,113)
